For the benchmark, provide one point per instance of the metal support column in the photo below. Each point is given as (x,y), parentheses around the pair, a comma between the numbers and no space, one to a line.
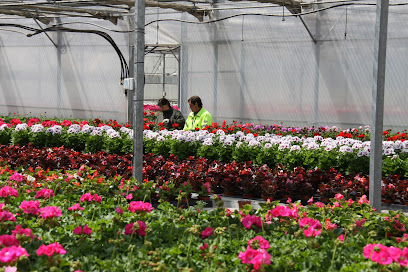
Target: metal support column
(138,97)
(377,114)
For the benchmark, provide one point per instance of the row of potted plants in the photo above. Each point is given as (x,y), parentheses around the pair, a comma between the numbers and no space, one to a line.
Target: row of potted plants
(203,176)
(81,221)
(344,154)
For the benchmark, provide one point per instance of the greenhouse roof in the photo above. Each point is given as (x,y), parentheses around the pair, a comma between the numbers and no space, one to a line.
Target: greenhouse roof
(112,10)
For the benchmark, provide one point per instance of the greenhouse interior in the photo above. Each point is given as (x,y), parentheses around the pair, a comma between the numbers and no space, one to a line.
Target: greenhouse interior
(290,62)
(300,163)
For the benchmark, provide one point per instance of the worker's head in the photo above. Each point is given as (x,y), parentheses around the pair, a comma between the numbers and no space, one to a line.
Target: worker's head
(163,104)
(195,103)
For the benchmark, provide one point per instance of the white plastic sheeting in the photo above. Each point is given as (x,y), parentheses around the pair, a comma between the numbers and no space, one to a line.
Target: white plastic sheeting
(248,68)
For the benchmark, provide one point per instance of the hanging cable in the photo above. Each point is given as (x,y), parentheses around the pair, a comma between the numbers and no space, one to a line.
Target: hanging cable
(124,73)
(345,27)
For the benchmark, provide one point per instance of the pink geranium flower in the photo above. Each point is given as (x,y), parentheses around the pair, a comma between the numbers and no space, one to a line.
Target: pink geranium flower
(119,210)
(341,238)
(256,256)
(44,193)
(75,207)
(8,191)
(204,247)
(259,241)
(51,249)
(310,222)
(50,212)
(12,254)
(140,206)
(250,220)
(138,227)
(89,197)
(311,231)
(16,177)
(30,207)
(23,231)
(377,253)
(207,233)
(85,230)
(7,216)
(8,240)
(129,196)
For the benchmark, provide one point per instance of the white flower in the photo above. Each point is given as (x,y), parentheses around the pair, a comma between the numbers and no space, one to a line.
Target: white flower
(312,146)
(295,148)
(254,143)
(37,128)
(160,139)
(389,151)
(364,152)
(268,145)
(284,145)
(398,144)
(208,141)
(220,132)
(3,126)
(114,134)
(345,149)
(239,144)
(22,126)
(96,132)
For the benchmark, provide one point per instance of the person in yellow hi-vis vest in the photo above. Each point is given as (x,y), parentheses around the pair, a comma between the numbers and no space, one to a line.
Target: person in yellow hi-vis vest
(199,117)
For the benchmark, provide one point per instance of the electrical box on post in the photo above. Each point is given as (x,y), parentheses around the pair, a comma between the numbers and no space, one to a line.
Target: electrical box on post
(129,84)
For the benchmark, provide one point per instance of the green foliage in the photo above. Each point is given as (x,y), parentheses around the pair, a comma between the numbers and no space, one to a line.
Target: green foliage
(5,136)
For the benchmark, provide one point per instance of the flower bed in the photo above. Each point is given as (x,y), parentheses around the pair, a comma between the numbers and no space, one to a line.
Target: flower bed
(347,155)
(204,176)
(80,221)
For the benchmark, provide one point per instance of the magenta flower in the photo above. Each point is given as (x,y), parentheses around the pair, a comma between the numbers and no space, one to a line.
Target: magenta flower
(256,256)
(250,220)
(50,212)
(12,254)
(16,177)
(363,199)
(85,230)
(138,227)
(44,193)
(51,249)
(399,255)
(129,196)
(23,232)
(259,241)
(75,207)
(310,222)
(204,247)
(8,240)
(207,233)
(140,206)
(78,230)
(8,191)
(283,211)
(339,197)
(119,210)
(341,238)
(7,216)
(1,206)
(30,207)
(377,253)
(311,231)
(89,197)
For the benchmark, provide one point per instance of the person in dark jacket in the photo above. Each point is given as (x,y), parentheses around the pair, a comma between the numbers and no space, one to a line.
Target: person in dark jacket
(170,117)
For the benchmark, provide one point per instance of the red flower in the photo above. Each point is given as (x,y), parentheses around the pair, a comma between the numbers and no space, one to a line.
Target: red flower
(175,125)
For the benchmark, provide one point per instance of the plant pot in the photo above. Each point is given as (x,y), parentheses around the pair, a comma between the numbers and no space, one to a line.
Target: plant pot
(242,203)
(248,195)
(203,198)
(388,201)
